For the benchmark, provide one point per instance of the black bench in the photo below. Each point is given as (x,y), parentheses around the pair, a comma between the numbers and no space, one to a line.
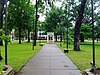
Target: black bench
(66,50)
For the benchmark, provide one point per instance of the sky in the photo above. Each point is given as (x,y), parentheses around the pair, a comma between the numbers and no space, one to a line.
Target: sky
(58,4)
(42,17)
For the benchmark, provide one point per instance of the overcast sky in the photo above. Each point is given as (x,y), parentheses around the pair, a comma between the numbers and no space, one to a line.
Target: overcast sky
(58,4)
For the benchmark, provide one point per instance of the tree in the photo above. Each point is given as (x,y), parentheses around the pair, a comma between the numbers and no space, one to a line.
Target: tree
(97,26)
(53,20)
(70,6)
(2,3)
(78,25)
(5,39)
(40,7)
(85,32)
(28,19)
(20,16)
(1,34)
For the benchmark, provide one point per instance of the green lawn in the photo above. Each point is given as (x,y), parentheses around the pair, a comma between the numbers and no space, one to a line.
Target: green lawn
(83,58)
(19,54)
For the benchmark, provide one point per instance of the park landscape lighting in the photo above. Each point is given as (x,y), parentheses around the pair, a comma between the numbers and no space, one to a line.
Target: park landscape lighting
(60,37)
(94,70)
(67,30)
(66,50)
(93,43)
(35,35)
(5,32)
(37,16)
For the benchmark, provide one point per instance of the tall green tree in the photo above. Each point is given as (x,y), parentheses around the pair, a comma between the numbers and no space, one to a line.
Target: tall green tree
(53,19)
(69,7)
(78,25)
(41,5)
(85,32)
(28,19)
(97,26)
(20,15)
(86,23)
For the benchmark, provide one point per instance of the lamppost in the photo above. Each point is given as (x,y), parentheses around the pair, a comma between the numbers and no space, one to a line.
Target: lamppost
(35,35)
(93,43)
(6,32)
(67,31)
(60,37)
(66,50)
(40,33)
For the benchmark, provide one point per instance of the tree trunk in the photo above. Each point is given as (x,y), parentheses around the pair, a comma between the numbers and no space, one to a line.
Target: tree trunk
(61,37)
(55,38)
(2,2)
(97,38)
(82,39)
(28,36)
(19,29)
(64,37)
(1,23)
(78,26)
(0,56)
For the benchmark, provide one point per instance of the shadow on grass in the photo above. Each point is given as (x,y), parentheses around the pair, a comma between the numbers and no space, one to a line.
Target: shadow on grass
(89,43)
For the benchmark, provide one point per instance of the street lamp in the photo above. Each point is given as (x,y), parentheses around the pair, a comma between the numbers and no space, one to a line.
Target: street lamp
(40,34)
(6,32)
(66,50)
(35,35)
(93,43)
(67,31)
(60,37)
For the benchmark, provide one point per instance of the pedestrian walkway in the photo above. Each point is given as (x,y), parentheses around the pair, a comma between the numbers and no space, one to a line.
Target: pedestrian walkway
(50,60)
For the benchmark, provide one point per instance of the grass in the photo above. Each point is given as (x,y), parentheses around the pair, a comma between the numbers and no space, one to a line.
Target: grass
(83,58)
(19,54)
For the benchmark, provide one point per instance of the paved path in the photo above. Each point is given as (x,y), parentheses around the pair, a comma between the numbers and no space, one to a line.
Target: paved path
(50,60)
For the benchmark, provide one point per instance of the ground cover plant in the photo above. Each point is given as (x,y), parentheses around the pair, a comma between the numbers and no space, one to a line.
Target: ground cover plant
(83,58)
(19,54)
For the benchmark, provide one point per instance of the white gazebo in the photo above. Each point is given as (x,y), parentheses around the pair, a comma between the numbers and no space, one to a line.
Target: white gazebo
(50,37)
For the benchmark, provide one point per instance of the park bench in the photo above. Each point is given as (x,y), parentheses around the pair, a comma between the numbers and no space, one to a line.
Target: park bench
(66,50)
